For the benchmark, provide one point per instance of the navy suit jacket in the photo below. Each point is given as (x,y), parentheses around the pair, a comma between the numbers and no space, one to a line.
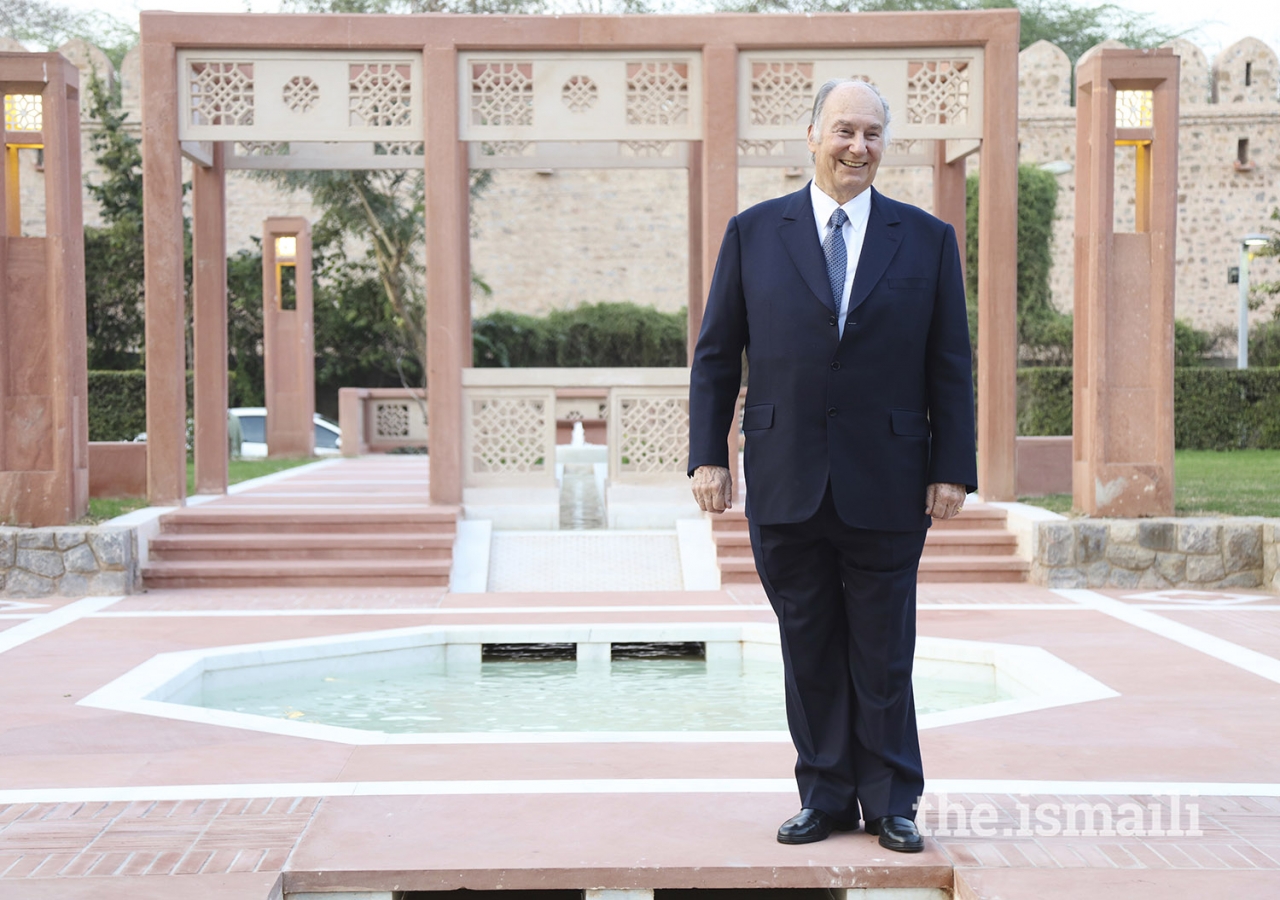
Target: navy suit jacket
(882,412)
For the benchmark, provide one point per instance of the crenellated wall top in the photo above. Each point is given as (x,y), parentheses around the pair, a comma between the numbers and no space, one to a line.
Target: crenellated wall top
(1247,72)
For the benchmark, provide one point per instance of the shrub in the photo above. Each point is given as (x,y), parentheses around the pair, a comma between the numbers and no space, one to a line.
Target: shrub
(117,405)
(1044,400)
(599,335)
(1214,409)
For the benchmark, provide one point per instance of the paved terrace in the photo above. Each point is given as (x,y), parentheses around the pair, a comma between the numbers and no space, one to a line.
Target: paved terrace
(103,804)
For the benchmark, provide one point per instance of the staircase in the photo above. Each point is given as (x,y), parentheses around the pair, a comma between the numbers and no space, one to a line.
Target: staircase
(972,547)
(358,523)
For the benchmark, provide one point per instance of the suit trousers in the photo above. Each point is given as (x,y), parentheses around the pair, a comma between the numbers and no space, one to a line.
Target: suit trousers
(846,605)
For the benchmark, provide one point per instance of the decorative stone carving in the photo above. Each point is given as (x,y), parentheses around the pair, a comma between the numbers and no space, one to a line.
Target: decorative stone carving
(398,148)
(380,95)
(508,435)
(646,148)
(391,420)
(654,435)
(262,148)
(502,93)
(657,93)
(23,112)
(506,148)
(300,93)
(937,92)
(760,148)
(781,92)
(221,93)
(579,93)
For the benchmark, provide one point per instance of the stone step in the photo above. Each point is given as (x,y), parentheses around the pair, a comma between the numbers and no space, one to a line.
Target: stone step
(337,545)
(742,569)
(952,542)
(979,516)
(226,518)
(296,573)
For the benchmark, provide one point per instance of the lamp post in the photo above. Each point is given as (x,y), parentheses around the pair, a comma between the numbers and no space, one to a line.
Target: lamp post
(1247,245)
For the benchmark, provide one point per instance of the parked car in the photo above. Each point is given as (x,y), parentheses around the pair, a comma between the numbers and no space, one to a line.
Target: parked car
(253,433)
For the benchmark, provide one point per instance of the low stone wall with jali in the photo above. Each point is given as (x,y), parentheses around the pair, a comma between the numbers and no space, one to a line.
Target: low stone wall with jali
(70,561)
(1193,553)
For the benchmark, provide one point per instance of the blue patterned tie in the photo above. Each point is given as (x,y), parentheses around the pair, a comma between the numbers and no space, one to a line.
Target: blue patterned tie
(837,255)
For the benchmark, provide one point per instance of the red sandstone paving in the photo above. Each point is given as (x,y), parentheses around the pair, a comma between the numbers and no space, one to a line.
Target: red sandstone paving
(238,886)
(518,842)
(1111,884)
(1258,630)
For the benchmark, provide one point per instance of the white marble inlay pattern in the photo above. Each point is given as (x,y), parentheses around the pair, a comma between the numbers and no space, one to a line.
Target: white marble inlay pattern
(584,561)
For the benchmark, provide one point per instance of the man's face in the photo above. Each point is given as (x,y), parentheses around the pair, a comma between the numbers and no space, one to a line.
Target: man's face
(848,143)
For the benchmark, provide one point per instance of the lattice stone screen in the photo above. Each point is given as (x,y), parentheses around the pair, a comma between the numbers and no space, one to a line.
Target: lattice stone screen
(257,96)
(588,96)
(649,434)
(509,437)
(934,93)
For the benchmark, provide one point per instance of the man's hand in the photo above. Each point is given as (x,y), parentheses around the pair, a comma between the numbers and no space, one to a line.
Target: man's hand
(942,501)
(711,488)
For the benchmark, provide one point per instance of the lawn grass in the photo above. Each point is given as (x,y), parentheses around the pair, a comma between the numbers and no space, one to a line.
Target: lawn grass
(1211,483)
(238,470)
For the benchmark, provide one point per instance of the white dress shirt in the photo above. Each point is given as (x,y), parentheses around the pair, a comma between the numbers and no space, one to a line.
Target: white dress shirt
(855,229)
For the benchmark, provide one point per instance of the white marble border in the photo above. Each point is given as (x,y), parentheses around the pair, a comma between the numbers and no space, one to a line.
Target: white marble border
(1035,678)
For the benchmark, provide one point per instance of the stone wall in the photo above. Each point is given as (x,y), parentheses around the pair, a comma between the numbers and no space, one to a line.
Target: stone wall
(554,240)
(1194,553)
(73,561)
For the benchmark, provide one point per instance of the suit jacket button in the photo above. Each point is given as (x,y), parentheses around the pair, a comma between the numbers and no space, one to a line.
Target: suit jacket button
(831,321)
(836,364)
(832,412)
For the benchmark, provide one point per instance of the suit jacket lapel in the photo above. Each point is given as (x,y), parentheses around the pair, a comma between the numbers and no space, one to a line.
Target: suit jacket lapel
(799,237)
(879,245)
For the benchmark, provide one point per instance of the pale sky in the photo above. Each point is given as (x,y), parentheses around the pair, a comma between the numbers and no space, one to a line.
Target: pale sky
(1214,26)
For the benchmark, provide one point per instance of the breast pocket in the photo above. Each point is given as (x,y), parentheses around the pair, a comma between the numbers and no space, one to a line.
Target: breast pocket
(906,284)
(758,417)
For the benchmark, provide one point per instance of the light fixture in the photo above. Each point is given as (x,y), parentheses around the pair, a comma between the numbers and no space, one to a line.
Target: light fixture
(286,248)
(1248,244)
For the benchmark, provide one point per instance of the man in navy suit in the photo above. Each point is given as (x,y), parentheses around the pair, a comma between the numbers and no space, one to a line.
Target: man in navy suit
(859,428)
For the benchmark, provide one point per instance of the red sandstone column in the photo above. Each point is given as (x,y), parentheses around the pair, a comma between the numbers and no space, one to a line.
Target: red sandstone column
(288,341)
(696,295)
(448,275)
(162,247)
(949,198)
(998,268)
(209,252)
(1123,349)
(719,159)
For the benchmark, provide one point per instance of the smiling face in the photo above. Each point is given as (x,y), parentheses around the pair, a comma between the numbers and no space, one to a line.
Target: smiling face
(848,142)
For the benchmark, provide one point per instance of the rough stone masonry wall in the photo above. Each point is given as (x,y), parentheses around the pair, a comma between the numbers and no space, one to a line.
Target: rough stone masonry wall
(1200,553)
(73,561)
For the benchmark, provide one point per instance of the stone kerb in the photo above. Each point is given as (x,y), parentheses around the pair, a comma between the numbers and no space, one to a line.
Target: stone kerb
(71,561)
(1157,553)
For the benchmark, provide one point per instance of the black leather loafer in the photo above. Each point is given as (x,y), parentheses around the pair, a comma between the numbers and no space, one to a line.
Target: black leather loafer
(810,825)
(896,833)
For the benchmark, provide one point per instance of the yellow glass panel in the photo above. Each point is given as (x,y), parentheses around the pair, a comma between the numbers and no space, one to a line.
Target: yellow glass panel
(1134,109)
(23,112)
(286,247)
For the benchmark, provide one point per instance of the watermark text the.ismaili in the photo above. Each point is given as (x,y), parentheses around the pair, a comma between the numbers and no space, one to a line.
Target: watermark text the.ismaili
(1173,816)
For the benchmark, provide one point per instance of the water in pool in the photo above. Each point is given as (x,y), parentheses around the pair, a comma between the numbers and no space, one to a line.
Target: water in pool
(543,695)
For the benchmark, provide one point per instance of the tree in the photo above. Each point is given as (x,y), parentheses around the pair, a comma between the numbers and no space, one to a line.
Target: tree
(114,273)
(49,25)
(1073,28)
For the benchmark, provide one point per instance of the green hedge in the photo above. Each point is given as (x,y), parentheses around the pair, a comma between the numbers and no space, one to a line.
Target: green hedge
(1213,409)
(603,334)
(117,405)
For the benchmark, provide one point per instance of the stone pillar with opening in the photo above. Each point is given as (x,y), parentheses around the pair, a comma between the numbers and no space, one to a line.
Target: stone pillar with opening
(288,339)
(44,423)
(1124,285)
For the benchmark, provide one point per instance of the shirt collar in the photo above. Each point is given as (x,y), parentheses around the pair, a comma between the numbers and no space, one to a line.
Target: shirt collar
(858,209)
